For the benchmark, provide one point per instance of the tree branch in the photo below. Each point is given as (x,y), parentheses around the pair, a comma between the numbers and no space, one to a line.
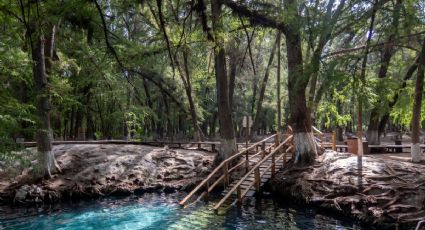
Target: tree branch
(255,17)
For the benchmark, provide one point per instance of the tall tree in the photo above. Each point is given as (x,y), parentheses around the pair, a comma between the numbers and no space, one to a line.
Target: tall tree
(279,102)
(46,156)
(227,132)
(300,119)
(373,132)
(259,106)
(417,105)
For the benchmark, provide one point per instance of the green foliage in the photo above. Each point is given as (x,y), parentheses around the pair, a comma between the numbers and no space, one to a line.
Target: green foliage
(130,81)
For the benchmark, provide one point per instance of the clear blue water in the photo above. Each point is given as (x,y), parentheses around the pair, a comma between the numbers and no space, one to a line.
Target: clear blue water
(161,211)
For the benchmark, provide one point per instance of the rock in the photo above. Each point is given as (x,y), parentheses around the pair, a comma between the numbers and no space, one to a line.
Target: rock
(169,189)
(29,194)
(131,176)
(112,170)
(21,193)
(120,191)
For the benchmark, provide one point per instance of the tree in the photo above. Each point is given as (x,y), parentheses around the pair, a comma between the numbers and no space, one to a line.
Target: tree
(227,132)
(417,105)
(44,138)
(375,129)
(258,110)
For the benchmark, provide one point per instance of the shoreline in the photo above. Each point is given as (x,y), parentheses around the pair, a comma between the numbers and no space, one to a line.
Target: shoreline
(92,171)
(387,199)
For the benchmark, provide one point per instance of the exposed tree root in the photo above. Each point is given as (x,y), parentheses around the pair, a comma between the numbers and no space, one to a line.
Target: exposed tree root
(384,193)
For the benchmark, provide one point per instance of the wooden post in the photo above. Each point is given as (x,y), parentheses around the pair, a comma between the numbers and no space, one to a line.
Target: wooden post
(239,193)
(213,147)
(246,161)
(247,131)
(263,146)
(334,141)
(226,173)
(208,188)
(257,179)
(199,145)
(322,144)
(273,165)
(276,140)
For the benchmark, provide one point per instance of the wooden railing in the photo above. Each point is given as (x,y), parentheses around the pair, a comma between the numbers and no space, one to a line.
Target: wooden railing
(280,149)
(222,171)
(321,135)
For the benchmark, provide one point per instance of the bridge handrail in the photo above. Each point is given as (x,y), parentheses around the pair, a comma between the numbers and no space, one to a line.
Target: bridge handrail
(220,167)
(316,130)
(236,166)
(251,171)
(242,194)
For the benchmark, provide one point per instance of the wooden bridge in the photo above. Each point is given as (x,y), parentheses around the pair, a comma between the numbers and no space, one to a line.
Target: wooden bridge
(244,173)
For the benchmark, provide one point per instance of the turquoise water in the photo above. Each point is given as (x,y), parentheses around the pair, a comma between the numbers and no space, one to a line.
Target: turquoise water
(161,211)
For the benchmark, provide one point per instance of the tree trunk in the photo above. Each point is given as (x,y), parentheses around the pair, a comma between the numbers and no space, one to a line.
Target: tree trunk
(150,104)
(227,133)
(417,105)
(279,102)
(362,83)
(44,133)
(373,132)
(256,122)
(185,76)
(300,118)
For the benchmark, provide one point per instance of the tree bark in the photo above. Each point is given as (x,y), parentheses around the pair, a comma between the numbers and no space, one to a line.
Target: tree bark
(46,158)
(300,118)
(279,102)
(417,105)
(227,133)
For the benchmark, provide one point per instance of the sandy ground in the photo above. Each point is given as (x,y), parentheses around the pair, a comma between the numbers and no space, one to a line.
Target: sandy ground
(93,170)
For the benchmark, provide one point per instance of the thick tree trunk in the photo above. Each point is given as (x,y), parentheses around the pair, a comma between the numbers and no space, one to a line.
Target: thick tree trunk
(233,62)
(227,133)
(417,105)
(300,118)
(259,106)
(46,158)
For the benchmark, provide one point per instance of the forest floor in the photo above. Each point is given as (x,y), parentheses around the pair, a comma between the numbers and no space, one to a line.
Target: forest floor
(405,157)
(382,190)
(94,170)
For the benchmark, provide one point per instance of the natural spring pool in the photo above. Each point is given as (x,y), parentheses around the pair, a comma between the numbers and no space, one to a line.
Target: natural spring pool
(161,211)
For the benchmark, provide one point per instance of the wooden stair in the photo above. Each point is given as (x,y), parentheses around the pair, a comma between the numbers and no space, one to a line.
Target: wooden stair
(267,175)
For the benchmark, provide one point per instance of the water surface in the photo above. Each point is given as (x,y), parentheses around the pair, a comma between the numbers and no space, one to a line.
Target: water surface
(161,211)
